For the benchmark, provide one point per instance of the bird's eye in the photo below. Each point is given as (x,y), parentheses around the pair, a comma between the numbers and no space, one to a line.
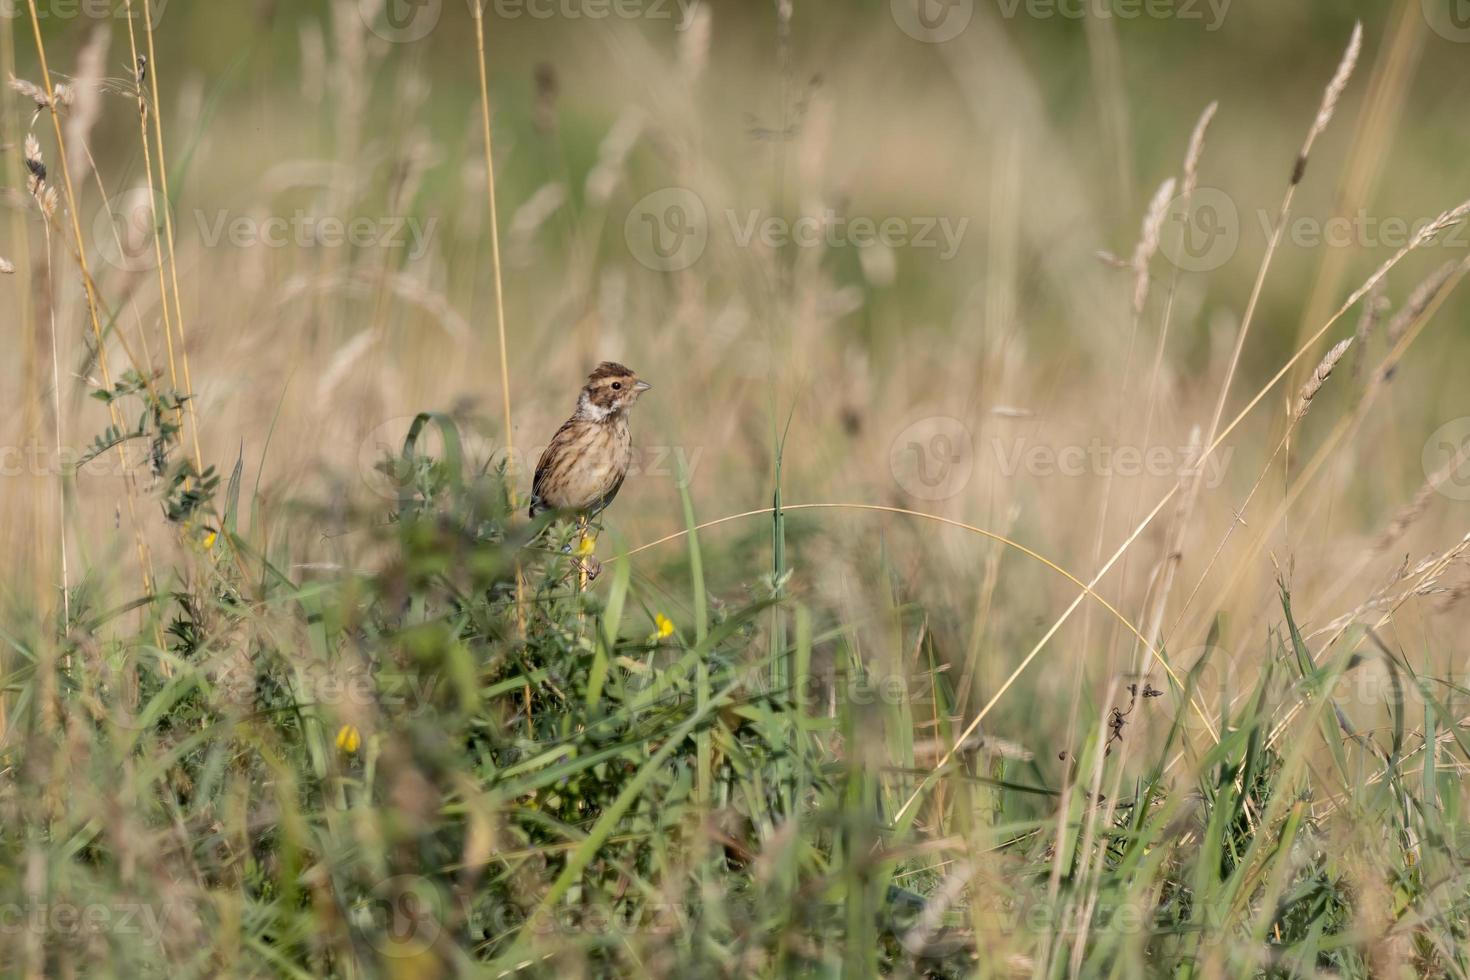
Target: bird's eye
(617,386)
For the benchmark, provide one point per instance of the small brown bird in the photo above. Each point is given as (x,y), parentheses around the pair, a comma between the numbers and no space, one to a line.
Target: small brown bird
(582,470)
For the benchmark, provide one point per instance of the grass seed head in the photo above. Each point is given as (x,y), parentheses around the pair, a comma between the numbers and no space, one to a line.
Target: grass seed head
(1319,377)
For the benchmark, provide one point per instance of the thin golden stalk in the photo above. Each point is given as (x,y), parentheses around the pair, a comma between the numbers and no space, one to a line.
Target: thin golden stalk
(1087,590)
(168,225)
(477,6)
(1339,432)
(479,14)
(139,68)
(144,560)
(1331,96)
(1449,217)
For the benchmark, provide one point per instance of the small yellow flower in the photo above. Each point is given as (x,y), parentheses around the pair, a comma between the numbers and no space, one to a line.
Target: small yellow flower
(349,739)
(586,546)
(210,537)
(664,627)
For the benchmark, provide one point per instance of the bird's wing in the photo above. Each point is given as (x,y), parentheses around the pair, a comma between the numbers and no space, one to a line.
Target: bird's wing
(607,498)
(543,465)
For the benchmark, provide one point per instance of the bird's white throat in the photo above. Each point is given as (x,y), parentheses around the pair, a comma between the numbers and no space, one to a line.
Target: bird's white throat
(592,413)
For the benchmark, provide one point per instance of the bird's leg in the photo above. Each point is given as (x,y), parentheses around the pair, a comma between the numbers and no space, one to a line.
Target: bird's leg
(588,567)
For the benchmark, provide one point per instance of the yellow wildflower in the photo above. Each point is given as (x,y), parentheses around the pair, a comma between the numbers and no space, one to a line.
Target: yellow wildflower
(665,628)
(349,739)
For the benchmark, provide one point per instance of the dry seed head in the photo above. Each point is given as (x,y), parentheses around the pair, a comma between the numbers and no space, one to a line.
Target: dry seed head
(31,91)
(548,89)
(1374,307)
(1450,218)
(1419,301)
(35,165)
(1330,98)
(1416,507)
(1148,242)
(1319,378)
(6,268)
(1197,149)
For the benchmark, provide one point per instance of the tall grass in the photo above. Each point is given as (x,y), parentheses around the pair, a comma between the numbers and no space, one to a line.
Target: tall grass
(290,686)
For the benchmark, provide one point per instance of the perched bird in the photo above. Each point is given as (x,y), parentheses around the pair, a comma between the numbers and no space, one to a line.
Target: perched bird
(583,468)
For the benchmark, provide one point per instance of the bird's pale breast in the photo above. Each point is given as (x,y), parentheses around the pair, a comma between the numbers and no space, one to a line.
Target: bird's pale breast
(593,461)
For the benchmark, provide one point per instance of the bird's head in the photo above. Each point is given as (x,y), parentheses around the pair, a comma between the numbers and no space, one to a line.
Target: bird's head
(611,388)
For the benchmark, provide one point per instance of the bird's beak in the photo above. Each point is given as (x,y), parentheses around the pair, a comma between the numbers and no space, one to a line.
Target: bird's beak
(642,386)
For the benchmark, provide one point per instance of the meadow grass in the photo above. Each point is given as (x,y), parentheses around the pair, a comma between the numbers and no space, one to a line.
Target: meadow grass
(289,685)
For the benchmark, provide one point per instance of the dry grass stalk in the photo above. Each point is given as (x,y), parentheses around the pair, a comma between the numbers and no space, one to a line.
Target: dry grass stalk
(1418,301)
(1415,508)
(141,61)
(45,194)
(1196,150)
(1148,242)
(62,95)
(1330,98)
(479,18)
(1375,305)
(38,175)
(1373,388)
(1319,378)
(1423,578)
(149,68)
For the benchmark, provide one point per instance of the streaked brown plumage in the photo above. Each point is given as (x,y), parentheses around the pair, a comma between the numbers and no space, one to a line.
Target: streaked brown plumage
(583,468)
